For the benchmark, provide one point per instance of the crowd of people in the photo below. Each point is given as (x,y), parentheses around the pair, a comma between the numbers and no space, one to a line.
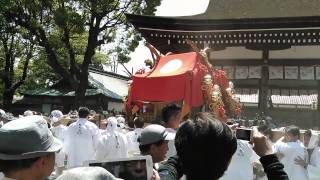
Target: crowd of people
(202,147)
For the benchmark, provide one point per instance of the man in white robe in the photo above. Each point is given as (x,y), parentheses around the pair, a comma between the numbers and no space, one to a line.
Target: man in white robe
(113,144)
(103,127)
(58,130)
(132,137)
(241,165)
(171,117)
(289,149)
(311,141)
(121,124)
(81,140)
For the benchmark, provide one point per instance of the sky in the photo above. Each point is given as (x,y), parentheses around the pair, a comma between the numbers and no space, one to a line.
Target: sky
(167,8)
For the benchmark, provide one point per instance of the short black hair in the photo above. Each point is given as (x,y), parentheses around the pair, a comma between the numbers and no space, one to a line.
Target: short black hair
(265,130)
(205,147)
(9,166)
(169,111)
(144,149)
(293,130)
(138,122)
(308,133)
(83,112)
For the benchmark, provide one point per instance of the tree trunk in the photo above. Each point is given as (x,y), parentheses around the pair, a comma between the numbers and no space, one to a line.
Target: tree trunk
(81,90)
(7,99)
(90,51)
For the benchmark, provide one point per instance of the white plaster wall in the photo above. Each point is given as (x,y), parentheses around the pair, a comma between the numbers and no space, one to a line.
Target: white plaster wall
(297,52)
(236,53)
(115,105)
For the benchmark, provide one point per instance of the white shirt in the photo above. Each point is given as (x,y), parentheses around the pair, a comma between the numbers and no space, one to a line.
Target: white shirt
(132,139)
(2,177)
(113,144)
(240,167)
(291,150)
(314,165)
(80,142)
(102,132)
(59,131)
(172,148)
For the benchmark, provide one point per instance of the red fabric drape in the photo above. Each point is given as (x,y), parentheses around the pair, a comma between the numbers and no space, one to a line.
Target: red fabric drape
(174,78)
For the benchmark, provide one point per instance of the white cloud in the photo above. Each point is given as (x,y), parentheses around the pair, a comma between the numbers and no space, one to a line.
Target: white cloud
(182,7)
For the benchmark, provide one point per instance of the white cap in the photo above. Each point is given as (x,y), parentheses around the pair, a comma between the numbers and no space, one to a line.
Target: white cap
(2,113)
(121,120)
(56,115)
(154,133)
(28,113)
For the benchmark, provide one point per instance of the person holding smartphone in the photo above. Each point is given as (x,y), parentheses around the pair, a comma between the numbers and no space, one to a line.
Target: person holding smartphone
(205,147)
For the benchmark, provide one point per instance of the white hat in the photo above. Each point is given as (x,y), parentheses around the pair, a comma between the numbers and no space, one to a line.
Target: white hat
(85,173)
(28,113)
(154,133)
(2,113)
(56,115)
(26,138)
(121,119)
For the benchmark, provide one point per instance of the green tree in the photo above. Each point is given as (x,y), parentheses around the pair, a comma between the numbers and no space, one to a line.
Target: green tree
(16,49)
(57,23)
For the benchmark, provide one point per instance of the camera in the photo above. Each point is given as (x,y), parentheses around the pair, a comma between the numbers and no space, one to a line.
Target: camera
(243,133)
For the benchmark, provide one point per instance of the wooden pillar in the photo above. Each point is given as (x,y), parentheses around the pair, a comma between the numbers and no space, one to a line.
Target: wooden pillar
(263,86)
(319,96)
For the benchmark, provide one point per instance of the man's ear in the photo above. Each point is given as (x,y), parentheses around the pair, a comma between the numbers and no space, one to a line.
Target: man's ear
(39,163)
(152,148)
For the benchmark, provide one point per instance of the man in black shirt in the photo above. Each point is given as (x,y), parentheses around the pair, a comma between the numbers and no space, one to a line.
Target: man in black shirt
(205,147)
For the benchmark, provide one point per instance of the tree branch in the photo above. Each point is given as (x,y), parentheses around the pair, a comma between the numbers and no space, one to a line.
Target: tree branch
(12,59)
(128,72)
(25,68)
(114,8)
(23,20)
(74,69)
(109,23)
(6,75)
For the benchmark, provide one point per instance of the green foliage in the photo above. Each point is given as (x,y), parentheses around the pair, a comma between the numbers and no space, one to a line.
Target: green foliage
(69,18)
(72,28)
(40,75)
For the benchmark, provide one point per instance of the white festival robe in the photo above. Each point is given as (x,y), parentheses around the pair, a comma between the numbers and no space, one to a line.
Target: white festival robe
(313,167)
(291,150)
(172,148)
(132,139)
(59,132)
(113,144)
(241,167)
(80,142)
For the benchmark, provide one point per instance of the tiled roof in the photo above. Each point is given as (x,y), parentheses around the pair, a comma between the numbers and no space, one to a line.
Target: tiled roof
(108,84)
(114,84)
(55,93)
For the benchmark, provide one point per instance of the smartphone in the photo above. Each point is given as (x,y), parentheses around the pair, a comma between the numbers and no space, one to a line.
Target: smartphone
(133,168)
(243,134)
